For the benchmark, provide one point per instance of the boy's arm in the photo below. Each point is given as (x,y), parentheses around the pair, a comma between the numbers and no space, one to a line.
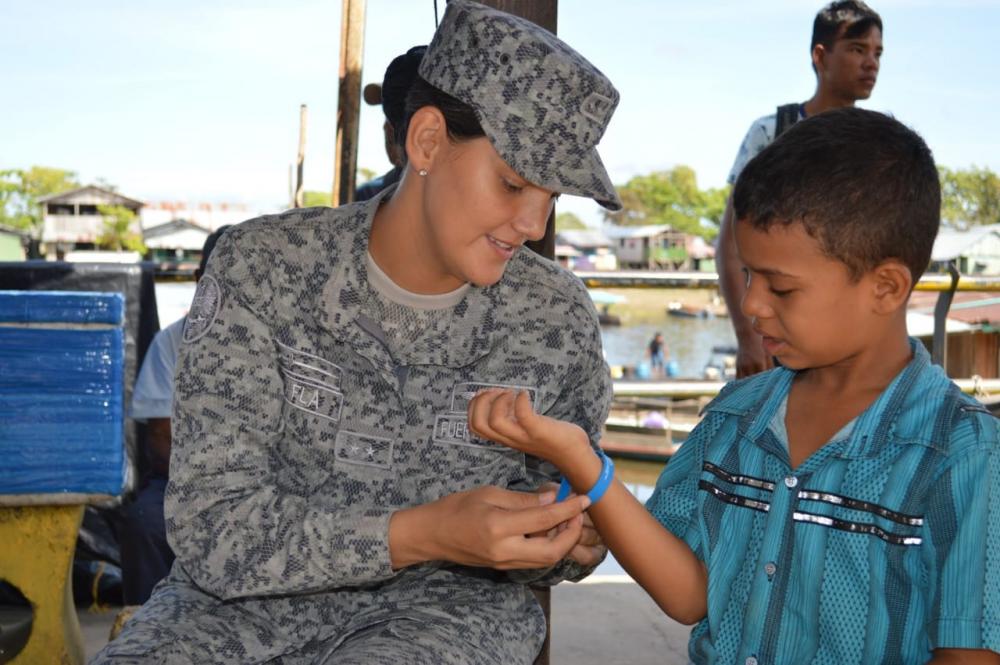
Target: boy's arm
(960,545)
(641,545)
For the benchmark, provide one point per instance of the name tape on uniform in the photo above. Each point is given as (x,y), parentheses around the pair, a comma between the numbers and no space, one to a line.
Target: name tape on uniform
(318,400)
(463,393)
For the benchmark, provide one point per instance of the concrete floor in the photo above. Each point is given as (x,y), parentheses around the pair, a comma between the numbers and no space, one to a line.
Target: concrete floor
(607,620)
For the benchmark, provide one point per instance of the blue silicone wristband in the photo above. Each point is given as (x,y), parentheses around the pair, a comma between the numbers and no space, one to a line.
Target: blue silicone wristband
(604,480)
(599,488)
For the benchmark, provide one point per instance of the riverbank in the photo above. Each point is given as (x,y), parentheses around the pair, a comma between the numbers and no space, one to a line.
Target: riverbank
(650,305)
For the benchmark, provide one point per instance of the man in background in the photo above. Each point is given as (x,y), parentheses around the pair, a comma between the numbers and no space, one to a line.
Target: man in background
(846,50)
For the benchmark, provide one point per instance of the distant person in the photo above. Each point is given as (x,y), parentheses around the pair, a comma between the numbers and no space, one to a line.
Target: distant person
(846,49)
(145,554)
(658,354)
(396,83)
(842,508)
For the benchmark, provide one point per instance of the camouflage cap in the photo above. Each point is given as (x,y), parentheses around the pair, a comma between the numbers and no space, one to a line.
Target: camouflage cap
(542,105)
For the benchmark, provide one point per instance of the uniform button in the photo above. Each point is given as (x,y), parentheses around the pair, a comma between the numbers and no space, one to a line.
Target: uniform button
(770,568)
(791,481)
(751,660)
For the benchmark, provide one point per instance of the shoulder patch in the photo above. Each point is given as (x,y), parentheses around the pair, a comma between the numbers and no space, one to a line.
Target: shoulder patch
(204,309)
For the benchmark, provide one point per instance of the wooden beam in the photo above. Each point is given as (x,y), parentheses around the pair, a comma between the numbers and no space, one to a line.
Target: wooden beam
(300,160)
(543,13)
(352,38)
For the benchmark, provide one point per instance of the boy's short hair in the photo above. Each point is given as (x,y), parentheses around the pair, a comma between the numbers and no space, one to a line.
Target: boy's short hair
(860,182)
(853,17)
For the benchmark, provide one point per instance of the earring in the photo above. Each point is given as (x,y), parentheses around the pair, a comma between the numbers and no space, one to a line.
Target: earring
(422,172)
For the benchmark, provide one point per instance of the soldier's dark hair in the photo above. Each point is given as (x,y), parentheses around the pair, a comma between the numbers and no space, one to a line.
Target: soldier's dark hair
(861,183)
(459,117)
(208,248)
(843,19)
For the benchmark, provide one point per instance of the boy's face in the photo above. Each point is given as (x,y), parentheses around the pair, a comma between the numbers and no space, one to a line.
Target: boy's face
(849,69)
(802,302)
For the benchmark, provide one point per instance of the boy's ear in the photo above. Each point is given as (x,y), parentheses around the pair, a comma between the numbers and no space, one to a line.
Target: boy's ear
(427,131)
(891,286)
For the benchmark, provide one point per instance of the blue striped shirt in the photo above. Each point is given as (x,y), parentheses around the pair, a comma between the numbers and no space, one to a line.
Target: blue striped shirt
(883,545)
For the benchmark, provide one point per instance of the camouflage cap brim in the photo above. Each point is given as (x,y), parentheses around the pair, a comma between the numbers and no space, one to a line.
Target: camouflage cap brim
(542,162)
(542,105)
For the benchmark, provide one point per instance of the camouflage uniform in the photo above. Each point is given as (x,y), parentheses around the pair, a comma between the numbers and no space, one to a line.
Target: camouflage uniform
(297,434)
(299,428)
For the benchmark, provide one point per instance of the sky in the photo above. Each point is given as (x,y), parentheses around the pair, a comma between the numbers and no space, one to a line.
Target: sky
(198,100)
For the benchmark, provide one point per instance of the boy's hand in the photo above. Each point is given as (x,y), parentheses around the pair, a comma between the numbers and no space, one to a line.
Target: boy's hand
(501,416)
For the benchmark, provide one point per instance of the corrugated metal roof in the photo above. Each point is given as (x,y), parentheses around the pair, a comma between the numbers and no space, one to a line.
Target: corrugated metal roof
(951,243)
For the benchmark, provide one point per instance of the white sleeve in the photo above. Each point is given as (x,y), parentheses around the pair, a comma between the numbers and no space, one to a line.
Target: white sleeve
(153,393)
(758,137)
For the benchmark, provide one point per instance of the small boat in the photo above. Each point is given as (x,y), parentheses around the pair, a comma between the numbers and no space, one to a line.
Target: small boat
(676,308)
(605,318)
(721,364)
(687,311)
(603,301)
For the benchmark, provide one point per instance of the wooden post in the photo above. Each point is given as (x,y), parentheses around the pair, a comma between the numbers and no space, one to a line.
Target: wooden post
(300,160)
(545,14)
(352,37)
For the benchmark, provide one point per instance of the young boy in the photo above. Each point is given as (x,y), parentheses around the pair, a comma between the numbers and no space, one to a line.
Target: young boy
(844,507)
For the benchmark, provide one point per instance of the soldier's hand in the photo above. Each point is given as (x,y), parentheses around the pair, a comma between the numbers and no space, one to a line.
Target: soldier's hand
(487,527)
(590,549)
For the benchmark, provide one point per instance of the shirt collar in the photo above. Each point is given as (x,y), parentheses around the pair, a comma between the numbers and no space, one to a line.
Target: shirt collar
(919,380)
(345,290)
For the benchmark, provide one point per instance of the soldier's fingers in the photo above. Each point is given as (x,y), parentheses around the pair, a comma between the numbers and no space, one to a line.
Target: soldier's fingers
(586,556)
(542,518)
(589,536)
(515,501)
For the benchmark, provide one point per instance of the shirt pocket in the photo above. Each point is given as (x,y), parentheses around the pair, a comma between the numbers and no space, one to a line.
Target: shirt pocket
(467,461)
(312,413)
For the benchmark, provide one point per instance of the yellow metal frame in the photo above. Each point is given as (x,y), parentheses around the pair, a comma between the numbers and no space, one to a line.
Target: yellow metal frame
(37,558)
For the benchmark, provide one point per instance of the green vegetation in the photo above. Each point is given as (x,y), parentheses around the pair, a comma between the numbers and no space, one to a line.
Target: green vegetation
(117,233)
(20,190)
(969,197)
(567,221)
(671,198)
(312,199)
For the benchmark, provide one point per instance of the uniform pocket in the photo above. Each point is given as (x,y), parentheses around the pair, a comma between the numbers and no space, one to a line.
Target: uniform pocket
(471,461)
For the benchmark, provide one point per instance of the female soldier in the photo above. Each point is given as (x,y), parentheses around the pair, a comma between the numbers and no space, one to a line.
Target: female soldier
(327,500)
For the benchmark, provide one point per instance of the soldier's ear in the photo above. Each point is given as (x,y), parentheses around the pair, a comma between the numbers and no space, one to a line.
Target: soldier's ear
(425,137)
